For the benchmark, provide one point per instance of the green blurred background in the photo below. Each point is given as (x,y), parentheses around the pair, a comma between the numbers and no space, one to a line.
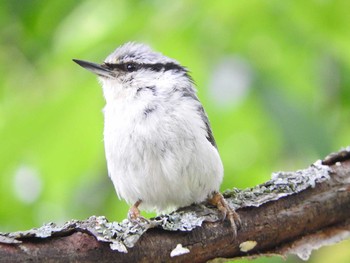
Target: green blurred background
(272,75)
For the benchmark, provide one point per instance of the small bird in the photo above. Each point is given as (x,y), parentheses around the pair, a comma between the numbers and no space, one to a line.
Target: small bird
(160,150)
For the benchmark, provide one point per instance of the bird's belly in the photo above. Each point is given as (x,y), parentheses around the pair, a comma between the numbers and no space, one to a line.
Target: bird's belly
(163,165)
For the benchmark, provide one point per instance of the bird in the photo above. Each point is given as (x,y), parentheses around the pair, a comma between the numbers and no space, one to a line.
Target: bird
(160,150)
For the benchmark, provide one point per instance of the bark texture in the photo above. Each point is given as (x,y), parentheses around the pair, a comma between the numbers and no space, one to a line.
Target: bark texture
(317,215)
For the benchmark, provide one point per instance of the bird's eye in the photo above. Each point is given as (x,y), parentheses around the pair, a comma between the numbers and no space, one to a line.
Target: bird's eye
(130,67)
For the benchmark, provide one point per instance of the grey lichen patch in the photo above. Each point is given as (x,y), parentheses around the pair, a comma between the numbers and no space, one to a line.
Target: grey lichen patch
(121,236)
(281,184)
(186,219)
(8,240)
(44,231)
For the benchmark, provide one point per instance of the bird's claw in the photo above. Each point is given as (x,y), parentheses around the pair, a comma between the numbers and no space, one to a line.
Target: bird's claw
(226,211)
(134,214)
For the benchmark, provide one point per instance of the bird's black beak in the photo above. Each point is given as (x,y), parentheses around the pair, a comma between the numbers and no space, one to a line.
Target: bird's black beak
(100,70)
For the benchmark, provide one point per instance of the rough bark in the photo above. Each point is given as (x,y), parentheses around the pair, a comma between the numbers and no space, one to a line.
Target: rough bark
(278,217)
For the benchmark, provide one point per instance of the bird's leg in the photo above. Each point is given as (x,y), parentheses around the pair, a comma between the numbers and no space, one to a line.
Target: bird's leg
(134,212)
(227,212)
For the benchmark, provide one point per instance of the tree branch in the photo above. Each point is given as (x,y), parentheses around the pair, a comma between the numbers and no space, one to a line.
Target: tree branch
(294,212)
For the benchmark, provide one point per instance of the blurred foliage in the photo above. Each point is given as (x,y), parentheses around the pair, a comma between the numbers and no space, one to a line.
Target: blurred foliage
(295,107)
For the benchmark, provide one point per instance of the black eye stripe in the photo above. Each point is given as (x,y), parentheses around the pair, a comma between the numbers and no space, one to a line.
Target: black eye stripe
(129,67)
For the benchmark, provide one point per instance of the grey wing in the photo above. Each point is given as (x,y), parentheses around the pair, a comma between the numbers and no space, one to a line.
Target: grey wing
(190,93)
(210,136)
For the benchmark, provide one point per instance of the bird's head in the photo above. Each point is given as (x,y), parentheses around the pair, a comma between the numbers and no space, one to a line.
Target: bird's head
(132,66)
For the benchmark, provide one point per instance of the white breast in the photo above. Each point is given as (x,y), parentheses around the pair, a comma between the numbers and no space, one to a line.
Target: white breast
(162,158)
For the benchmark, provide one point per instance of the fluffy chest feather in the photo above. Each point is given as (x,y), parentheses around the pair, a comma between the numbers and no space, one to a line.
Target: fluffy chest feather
(158,152)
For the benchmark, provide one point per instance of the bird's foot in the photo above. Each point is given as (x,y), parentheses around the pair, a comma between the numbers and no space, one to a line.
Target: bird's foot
(226,211)
(134,214)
